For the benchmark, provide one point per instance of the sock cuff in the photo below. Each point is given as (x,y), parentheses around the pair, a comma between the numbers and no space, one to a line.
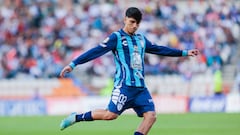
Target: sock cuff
(88,116)
(84,117)
(138,133)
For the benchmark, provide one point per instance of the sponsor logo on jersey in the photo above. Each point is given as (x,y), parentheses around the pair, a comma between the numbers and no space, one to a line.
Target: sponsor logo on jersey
(124,42)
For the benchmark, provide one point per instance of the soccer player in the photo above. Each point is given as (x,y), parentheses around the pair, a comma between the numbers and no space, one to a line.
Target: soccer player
(129,89)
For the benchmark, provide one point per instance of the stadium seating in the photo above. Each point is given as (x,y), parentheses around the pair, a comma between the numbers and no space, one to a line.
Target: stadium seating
(39,40)
(200,85)
(37,88)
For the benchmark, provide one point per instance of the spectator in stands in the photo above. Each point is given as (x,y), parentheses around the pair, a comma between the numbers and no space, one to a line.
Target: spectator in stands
(53,32)
(218,86)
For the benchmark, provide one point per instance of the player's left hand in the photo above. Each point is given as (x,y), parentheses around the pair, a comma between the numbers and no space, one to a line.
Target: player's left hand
(66,69)
(193,52)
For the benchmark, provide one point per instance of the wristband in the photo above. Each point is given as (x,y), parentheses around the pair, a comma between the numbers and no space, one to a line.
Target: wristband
(72,65)
(185,53)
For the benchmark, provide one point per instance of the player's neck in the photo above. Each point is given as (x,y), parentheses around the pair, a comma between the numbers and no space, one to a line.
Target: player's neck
(126,31)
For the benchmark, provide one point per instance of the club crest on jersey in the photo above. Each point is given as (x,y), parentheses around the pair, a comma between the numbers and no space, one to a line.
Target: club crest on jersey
(121,101)
(119,107)
(142,43)
(141,40)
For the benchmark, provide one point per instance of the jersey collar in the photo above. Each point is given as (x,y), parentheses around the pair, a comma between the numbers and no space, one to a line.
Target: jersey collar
(124,33)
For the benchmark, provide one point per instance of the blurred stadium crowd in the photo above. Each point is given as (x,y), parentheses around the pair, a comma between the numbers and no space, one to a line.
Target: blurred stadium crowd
(38,38)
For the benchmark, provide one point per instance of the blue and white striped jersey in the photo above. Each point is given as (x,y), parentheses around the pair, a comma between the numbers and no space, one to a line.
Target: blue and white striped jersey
(128,53)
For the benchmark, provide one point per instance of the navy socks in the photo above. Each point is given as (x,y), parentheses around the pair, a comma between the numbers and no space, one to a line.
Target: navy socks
(84,117)
(88,117)
(138,133)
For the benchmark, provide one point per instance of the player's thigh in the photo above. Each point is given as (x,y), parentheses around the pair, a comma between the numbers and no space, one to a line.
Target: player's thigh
(150,115)
(143,103)
(119,100)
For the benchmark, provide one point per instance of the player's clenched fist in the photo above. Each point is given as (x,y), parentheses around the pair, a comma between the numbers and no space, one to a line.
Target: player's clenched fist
(193,52)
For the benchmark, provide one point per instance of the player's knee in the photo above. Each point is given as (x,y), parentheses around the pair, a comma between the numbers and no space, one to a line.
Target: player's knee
(152,117)
(110,116)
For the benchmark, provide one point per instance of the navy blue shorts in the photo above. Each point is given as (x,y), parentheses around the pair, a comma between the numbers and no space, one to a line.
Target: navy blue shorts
(137,98)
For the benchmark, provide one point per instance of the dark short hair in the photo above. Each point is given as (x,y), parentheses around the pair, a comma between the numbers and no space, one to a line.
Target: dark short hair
(135,13)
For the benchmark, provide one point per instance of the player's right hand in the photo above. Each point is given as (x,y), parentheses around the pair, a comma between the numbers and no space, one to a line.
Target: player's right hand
(66,69)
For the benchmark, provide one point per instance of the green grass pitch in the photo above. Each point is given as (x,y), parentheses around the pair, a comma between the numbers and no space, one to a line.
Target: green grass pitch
(167,124)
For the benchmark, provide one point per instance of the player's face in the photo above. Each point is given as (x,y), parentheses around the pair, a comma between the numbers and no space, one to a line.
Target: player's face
(130,26)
